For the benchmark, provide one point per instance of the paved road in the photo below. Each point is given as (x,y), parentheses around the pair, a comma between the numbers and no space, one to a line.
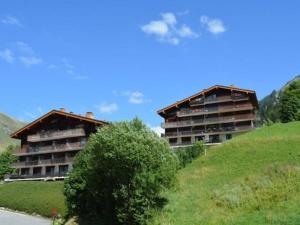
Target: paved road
(11,218)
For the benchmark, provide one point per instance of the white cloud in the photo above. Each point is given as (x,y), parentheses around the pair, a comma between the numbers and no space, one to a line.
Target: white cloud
(159,28)
(169,18)
(107,108)
(30,60)
(167,29)
(186,31)
(134,97)
(214,26)
(7,55)
(157,129)
(24,48)
(11,20)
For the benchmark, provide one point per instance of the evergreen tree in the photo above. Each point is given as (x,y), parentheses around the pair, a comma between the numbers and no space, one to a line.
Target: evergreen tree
(289,103)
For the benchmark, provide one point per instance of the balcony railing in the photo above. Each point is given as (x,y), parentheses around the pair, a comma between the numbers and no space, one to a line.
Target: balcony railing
(34,176)
(42,162)
(208,121)
(209,130)
(51,148)
(210,110)
(203,101)
(50,135)
(188,143)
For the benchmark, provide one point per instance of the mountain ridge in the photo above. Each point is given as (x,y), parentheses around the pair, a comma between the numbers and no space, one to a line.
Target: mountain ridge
(268,110)
(7,126)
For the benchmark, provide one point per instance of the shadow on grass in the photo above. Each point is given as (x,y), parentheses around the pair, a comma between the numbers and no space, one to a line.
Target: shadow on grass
(159,204)
(85,221)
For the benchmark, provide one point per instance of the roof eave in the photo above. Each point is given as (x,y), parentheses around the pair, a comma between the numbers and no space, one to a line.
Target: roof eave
(161,112)
(16,134)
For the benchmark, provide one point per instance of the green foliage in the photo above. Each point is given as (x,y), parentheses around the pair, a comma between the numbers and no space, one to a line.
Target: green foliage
(33,197)
(186,155)
(120,175)
(289,104)
(6,159)
(265,160)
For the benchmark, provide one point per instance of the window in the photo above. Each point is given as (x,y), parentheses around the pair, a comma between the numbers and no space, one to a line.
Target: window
(63,169)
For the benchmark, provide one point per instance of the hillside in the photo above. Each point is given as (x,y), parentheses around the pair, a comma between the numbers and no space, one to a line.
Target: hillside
(252,179)
(7,126)
(268,105)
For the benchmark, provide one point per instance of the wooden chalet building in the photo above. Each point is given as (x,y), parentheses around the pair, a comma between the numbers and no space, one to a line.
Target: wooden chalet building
(49,144)
(213,115)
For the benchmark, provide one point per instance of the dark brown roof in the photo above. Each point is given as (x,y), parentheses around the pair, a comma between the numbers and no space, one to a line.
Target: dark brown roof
(56,112)
(231,88)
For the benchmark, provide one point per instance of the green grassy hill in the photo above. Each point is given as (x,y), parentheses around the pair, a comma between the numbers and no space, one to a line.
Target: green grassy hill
(252,179)
(7,126)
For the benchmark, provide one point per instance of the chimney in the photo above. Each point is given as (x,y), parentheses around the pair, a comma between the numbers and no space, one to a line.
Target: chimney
(62,109)
(89,115)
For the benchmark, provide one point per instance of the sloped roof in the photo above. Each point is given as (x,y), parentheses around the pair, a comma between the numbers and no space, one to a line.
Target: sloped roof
(203,92)
(17,133)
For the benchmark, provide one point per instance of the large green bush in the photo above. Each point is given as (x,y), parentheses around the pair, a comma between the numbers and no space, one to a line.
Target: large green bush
(120,175)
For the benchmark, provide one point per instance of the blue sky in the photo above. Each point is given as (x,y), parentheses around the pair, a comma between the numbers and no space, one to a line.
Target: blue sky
(122,59)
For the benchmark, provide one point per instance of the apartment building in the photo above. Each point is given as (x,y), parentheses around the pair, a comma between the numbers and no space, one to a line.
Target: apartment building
(213,116)
(49,144)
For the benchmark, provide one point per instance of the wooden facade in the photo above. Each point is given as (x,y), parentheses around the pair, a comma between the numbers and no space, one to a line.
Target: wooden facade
(49,144)
(213,116)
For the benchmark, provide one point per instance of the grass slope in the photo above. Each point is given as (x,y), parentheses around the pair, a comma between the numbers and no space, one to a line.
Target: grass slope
(8,126)
(252,179)
(33,197)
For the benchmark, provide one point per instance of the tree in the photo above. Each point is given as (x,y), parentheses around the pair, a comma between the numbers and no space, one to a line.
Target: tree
(6,159)
(289,103)
(120,175)
(186,155)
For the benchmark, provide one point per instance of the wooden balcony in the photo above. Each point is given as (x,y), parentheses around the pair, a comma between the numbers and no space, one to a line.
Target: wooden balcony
(54,135)
(213,110)
(229,98)
(206,121)
(35,176)
(42,162)
(49,149)
(223,130)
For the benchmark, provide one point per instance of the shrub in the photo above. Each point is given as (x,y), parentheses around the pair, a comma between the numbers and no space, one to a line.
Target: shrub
(186,155)
(120,175)
(6,158)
